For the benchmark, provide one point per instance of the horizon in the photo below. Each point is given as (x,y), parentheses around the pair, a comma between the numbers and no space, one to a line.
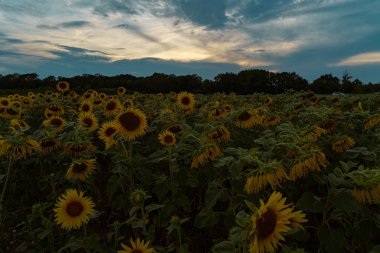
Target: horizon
(76,37)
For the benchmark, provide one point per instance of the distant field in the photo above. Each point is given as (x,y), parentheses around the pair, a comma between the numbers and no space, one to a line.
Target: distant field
(186,172)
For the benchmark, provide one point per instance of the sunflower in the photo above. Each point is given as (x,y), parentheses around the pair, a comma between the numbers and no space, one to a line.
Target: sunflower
(80,169)
(18,147)
(313,132)
(167,138)
(49,145)
(112,107)
(342,144)
(128,103)
(329,125)
(131,123)
(11,112)
(310,162)
(88,121)
(5,102)
(17,124)
(136,247)
(374,121)
(76,149)
(185,100)
(63,86)
(248,118)
(175,129)
(219,134)
(271,220)
(268,102)
(121,91)
(73,209)
(86,106)
(271,120)
(54,110)
(106,134)
(207,154)
(272,173)
(366,184)
(55,121)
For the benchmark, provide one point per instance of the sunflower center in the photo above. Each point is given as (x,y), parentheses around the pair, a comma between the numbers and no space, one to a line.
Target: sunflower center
(185,100)
(56,122)
(11,111)
(47,143)
(266,224)
(88,122)
(85,108)
(79,167)
(175,129)
(110,131)
(168,139)
(244,116)
(62,85)
(111,105)
(130,121)
(137,251)
(74,208)
(5,102)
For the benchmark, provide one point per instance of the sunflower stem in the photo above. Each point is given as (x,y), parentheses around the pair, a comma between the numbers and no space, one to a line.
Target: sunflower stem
(170,164)
(5,188)
(130,146)
(143,219)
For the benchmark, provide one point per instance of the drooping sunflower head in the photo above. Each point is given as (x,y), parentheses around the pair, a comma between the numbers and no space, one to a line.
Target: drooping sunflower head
(219,134)
(136,247)
(185,100)
(167,138)
(18,146)
(48,145)
(206,154)
(73,209)
(272,173)
(247,118)
(63,86)
(131,123)
(107,132)
(311,161)
(80,169)
(366,184)
(343,144)
(88,121)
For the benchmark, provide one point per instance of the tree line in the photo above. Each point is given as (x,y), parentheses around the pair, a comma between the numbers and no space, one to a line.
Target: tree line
(244,82)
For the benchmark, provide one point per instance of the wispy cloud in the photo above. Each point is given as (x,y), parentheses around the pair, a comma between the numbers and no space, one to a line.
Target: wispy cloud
(359,59)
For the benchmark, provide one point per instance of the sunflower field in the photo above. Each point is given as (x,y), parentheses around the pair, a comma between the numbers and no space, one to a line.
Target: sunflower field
(180,172)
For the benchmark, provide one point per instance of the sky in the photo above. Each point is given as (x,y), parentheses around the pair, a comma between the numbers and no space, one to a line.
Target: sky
(203,37)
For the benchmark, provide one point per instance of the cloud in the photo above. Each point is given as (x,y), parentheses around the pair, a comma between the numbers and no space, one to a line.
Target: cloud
(359,59)
(68,24)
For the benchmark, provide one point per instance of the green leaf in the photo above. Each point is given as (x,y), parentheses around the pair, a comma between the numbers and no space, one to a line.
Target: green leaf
(152,207)
(251,206)
(343,200)
(205,218)
(309,202)
(243,219)
(223,247)
(212,194)
(235,235)
(375,249)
